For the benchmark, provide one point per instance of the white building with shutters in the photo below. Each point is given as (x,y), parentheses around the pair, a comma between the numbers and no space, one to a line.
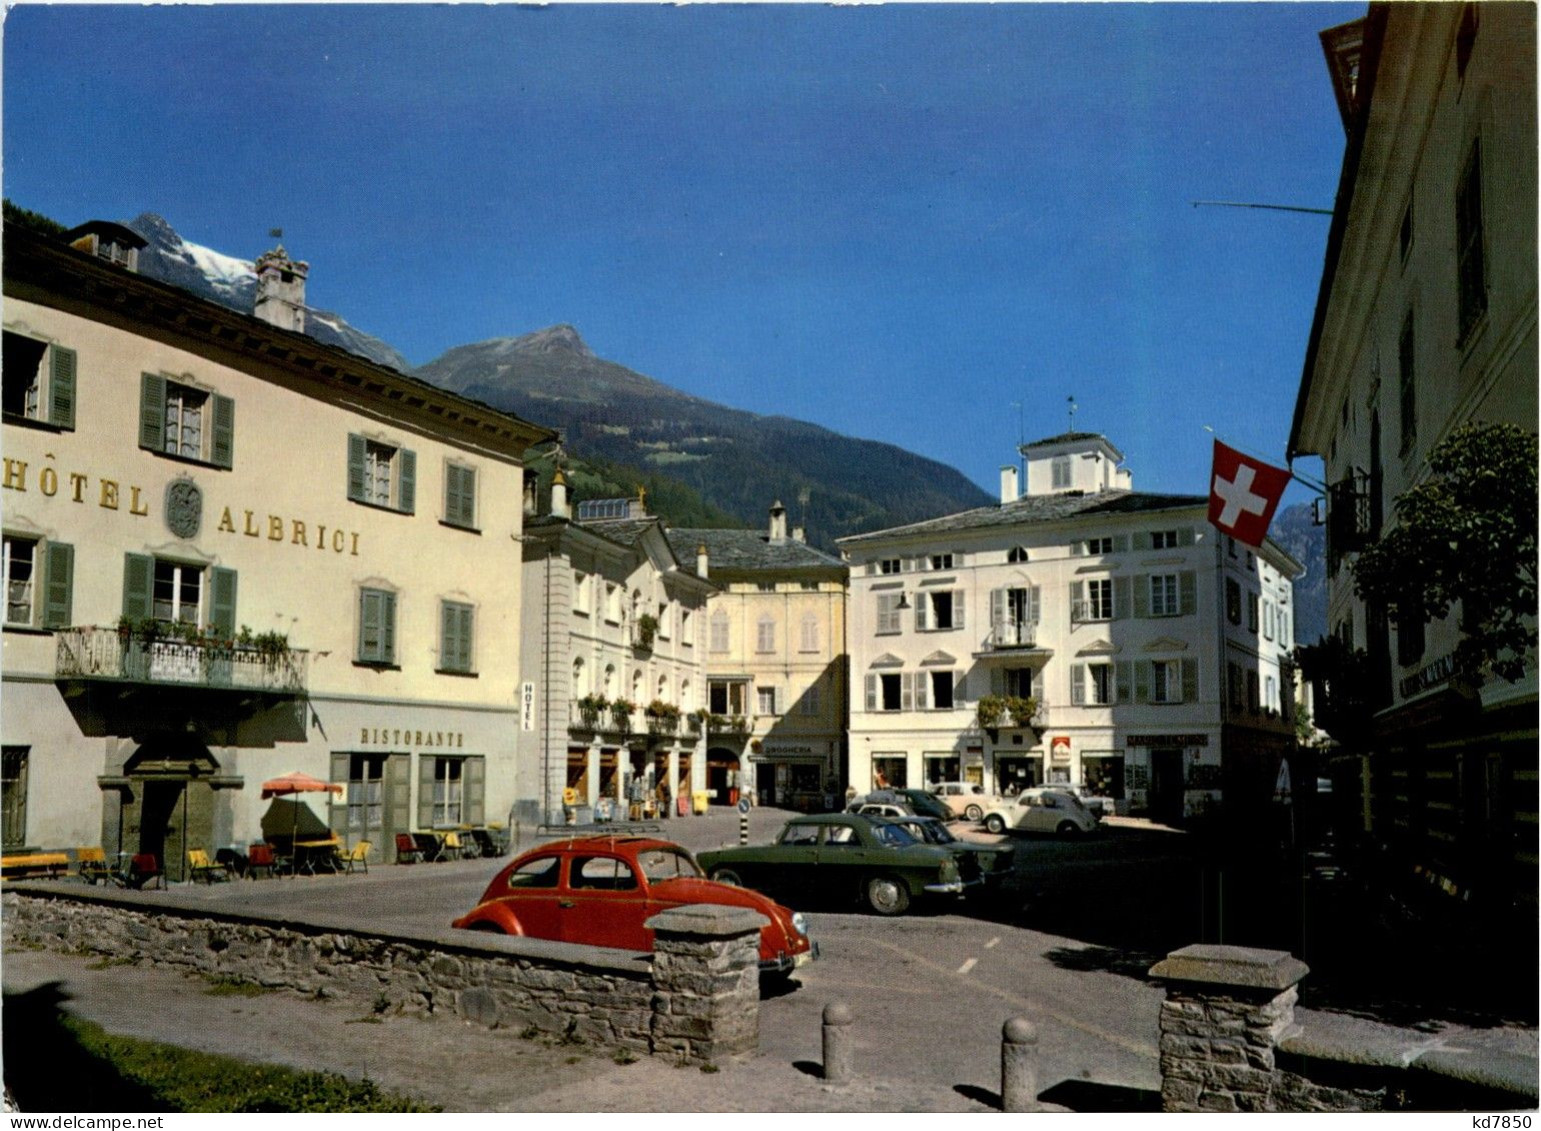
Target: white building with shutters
(232,552)
(1081,632)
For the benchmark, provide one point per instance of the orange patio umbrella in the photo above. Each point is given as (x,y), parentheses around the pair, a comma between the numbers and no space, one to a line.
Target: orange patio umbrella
(293,783)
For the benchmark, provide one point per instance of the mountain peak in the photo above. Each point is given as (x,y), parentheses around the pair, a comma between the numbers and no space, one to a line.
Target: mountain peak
(560,338)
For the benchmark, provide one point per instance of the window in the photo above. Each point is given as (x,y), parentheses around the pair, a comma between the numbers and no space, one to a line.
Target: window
(20,554)
(888,613)
(765,586)
(1233,685)
(1251,612)
(765,701)
(801,834)
(890,565)
(1099,683)
(1268,620)
(765,635)
(1099,545)
(366,796)
(1097,603)
(1059,472)
(726,697)
(941,561)
(1019,682)
(808,641)
(810,704)
(580,678)
(13,796)
(1232,600)
(687,628)
(1471,268)
(1164,598)
(460,496)
(1016,555)
(455,637)
(1251,562)
(939,611)
(384,475)
(1163,539)
(1270,694)
(377,626)
(1166,681)
(891,687)
(1408,384)
(1253,703)
(448,791)
(581,597)
(180,420)
(177,595)
(542,872)
(942,689)
(719,631)
(612,602)
(38,381)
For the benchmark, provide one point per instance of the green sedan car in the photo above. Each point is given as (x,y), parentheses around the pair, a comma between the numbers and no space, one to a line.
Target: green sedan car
(843,855)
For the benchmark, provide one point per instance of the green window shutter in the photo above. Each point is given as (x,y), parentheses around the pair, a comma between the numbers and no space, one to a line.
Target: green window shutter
(59,571)
(473,787)
(957,608)
(460,504)
(388,626)
(452,504)
(907,691)
(406,499)
(872,692)
(1187,591)
(449,637)
(1190,669)
(61,387)
(341,765)
(152,411)
(1144,676)
(222,604)
(1185,536)
(368,625)
(426,764)
(1121,679)
(222,453)
(398,795)
(138,573)
(1142,595)
(1078,685)
(356,468)
(1121,586)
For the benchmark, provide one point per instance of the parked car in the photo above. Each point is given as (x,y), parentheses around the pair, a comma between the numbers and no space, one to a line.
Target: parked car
(601,890)
(964,799)
(881,809)
(1098,804)
(926,804)
(991,863)
(843,855)
(1042,810)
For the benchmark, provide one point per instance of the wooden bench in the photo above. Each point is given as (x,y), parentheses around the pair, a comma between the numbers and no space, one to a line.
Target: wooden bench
(22,864)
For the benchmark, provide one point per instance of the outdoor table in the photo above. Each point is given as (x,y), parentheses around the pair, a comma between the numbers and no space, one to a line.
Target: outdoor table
(309,855)
(429,844)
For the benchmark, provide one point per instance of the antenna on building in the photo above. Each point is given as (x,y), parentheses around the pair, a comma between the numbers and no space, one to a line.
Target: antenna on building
(1072,412)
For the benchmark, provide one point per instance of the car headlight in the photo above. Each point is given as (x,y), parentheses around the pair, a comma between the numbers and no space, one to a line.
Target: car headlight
(949,871)
(799,924)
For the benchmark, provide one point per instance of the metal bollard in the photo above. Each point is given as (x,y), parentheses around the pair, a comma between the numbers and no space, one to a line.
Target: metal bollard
(1019,1065)
(837,1043)
(743,828)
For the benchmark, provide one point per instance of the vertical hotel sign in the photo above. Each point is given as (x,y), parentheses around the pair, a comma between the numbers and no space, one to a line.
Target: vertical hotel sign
(527,706)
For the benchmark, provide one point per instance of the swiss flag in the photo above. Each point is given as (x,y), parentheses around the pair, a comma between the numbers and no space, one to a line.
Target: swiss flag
(1243,494)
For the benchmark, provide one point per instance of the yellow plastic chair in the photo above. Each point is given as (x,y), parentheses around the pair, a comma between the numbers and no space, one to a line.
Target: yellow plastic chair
(356,857)
(450,847)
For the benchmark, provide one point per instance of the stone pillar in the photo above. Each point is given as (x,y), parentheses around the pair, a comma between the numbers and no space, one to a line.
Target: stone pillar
(1019,1065)
(1226,1009)
(836,1032)
(706,982)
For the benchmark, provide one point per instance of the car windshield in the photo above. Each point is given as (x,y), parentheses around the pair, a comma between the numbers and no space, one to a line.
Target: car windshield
(659,864)
(929,831)
(892,836)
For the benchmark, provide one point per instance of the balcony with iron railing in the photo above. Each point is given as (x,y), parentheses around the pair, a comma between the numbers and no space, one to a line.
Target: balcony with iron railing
(1012,636)
(114,655)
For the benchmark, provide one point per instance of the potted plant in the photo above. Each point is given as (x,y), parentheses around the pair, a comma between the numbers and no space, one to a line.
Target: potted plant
(621,711)
(697,719)
(662,718)
(647,629)
(1021,709)
(988,713)
(590,707)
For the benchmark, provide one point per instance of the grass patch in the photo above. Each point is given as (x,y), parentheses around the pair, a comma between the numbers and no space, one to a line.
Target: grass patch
(710,1068)
(624,1057)
(110,961)
(186,1080)
(224,986)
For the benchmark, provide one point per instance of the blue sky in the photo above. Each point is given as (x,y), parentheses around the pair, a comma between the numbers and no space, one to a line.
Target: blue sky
(901,222)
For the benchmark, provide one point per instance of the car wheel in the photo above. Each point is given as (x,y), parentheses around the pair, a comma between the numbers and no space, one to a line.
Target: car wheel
(887,895)
(1067,828)
(995,823)
(727,876)
(973,812)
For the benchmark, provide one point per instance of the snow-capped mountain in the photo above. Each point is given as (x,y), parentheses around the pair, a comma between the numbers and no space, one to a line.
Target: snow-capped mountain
(232,282)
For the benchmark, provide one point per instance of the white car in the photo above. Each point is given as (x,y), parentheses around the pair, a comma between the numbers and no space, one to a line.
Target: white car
(1098,804)
(965,799)
(1042,810)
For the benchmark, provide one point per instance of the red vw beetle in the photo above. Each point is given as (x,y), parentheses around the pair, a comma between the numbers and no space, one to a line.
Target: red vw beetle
(599,890)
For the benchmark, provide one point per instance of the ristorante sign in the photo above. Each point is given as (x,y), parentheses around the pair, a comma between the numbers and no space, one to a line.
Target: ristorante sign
(83,489)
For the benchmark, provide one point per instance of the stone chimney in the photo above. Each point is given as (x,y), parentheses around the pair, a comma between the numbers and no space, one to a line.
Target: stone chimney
(799,534)
(778,522)
(702,568)
(1009,491)
(281,290)
(559,504)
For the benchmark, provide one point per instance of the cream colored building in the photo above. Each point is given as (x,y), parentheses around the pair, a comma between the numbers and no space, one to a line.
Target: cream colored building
(612,664)
(1425,321)
(1148,656)
(775,664)
(232,552)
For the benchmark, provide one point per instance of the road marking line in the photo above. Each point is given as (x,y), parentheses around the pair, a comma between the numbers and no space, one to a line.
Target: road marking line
(967,966)
(1136,1047)
(992,942)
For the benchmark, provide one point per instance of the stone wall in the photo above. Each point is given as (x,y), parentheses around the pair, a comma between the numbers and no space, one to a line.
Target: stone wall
(696,1000)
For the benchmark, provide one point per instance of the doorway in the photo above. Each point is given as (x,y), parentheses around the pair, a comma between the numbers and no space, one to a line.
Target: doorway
(1166,786)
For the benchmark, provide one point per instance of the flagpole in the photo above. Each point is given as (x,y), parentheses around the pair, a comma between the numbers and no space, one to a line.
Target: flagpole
(1306,479)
